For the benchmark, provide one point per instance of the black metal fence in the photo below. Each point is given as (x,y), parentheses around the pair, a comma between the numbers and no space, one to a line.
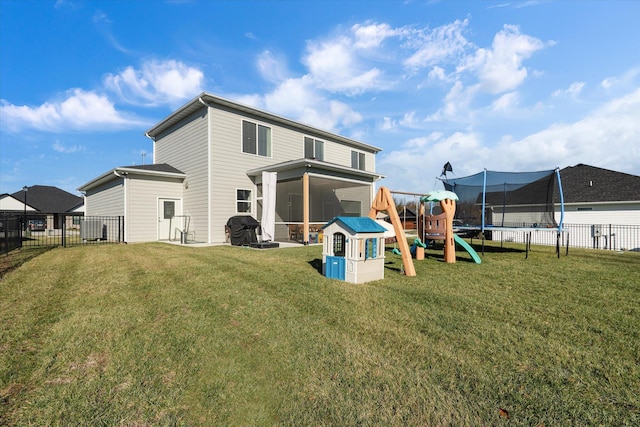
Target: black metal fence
(588,236)
(39,230)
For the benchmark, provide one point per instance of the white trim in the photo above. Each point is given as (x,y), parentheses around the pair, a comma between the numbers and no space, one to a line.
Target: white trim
(335,178)
(209,174)
(126,207)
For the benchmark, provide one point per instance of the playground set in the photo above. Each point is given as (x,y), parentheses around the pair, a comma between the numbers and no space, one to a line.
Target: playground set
(353,247)
(490,203)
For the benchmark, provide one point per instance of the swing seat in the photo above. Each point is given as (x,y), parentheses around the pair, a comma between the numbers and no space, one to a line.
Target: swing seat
(396,251)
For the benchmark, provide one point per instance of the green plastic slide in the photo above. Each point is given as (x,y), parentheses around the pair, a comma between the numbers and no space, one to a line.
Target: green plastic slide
(467,248)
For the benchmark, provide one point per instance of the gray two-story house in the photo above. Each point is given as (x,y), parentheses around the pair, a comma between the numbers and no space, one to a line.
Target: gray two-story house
(208,162)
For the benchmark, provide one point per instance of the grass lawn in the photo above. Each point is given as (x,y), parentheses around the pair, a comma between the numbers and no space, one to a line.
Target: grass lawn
(156,334)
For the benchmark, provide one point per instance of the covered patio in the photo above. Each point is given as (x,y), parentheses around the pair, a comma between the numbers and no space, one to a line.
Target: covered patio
(309,193)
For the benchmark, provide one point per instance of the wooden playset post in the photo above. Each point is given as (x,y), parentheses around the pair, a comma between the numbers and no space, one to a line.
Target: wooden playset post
(449,208)
(384,202)
(305,209)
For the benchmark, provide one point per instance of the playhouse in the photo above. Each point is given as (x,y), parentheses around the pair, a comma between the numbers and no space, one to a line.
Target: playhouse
(353,249)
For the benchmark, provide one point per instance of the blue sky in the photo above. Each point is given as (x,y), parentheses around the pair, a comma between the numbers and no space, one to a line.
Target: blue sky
(503,85)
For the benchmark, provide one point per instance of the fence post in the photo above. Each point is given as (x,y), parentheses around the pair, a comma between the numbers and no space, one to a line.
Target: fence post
(64,230)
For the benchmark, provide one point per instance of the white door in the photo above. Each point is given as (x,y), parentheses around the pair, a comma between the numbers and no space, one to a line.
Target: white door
(167,209)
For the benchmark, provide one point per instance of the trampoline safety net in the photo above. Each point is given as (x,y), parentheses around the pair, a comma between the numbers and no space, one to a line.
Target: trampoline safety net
(508,199)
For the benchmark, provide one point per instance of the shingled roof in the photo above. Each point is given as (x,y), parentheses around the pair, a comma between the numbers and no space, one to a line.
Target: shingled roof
(157,167)
(47,199)
(584,183)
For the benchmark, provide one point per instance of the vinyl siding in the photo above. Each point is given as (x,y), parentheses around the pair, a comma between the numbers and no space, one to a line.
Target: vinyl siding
(143,194)
(602,213)
(106,200)
(229,163)
(185,147)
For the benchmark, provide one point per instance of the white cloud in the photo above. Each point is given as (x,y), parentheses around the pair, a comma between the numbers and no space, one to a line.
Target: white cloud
(157,83)
(387,124)
(572,91)
(456,103)
(605,138)
(627,80)
(310,106)
(505,102)
(103,23)
(436,46)
(271,67)
(414,166)
(608,137)
(500,69)
(437,73)
(334,67)
(371,35)
(80,110)
(66,149)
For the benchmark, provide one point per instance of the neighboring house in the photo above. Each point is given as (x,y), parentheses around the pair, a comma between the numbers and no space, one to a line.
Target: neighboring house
(594,195)
(208,161)
(47,203)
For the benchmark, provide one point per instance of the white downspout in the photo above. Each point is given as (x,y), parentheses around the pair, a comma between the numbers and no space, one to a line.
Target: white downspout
(209,213)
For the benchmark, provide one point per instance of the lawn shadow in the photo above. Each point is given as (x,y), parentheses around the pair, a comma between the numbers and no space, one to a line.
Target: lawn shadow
(316,264)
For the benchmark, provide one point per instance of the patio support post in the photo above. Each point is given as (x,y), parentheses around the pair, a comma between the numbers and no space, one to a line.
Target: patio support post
(305,203)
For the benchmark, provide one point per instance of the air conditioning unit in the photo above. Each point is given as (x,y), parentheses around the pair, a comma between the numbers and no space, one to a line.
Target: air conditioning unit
(93,229)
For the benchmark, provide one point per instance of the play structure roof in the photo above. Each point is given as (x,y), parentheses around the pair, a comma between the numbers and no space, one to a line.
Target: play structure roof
(358,224)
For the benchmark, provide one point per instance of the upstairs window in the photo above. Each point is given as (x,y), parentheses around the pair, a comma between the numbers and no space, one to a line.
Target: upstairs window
(256,139)
(243,201)
(313,148)
(357,160)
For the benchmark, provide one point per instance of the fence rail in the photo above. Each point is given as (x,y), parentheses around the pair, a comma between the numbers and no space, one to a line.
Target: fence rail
(38,230)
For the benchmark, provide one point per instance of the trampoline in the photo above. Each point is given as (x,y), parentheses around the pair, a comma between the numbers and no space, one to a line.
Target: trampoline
(498,204)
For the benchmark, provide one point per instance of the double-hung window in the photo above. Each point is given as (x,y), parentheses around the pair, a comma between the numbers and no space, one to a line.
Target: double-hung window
(357,160)
(256,139)
(243,201)
(313,148)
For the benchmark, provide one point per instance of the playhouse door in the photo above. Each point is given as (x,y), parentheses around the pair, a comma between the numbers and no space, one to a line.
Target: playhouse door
(335,267)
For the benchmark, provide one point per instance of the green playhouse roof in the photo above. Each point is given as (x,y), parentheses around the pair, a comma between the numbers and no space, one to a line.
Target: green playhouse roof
(358,224)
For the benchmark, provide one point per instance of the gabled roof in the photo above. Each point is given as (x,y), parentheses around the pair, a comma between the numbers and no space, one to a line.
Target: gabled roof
(49,199)
(358,224)
(584,183)
(207,99)
(161,170)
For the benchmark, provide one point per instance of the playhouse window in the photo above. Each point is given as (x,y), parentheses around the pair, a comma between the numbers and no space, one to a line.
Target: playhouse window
(338,244)
(371,249)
